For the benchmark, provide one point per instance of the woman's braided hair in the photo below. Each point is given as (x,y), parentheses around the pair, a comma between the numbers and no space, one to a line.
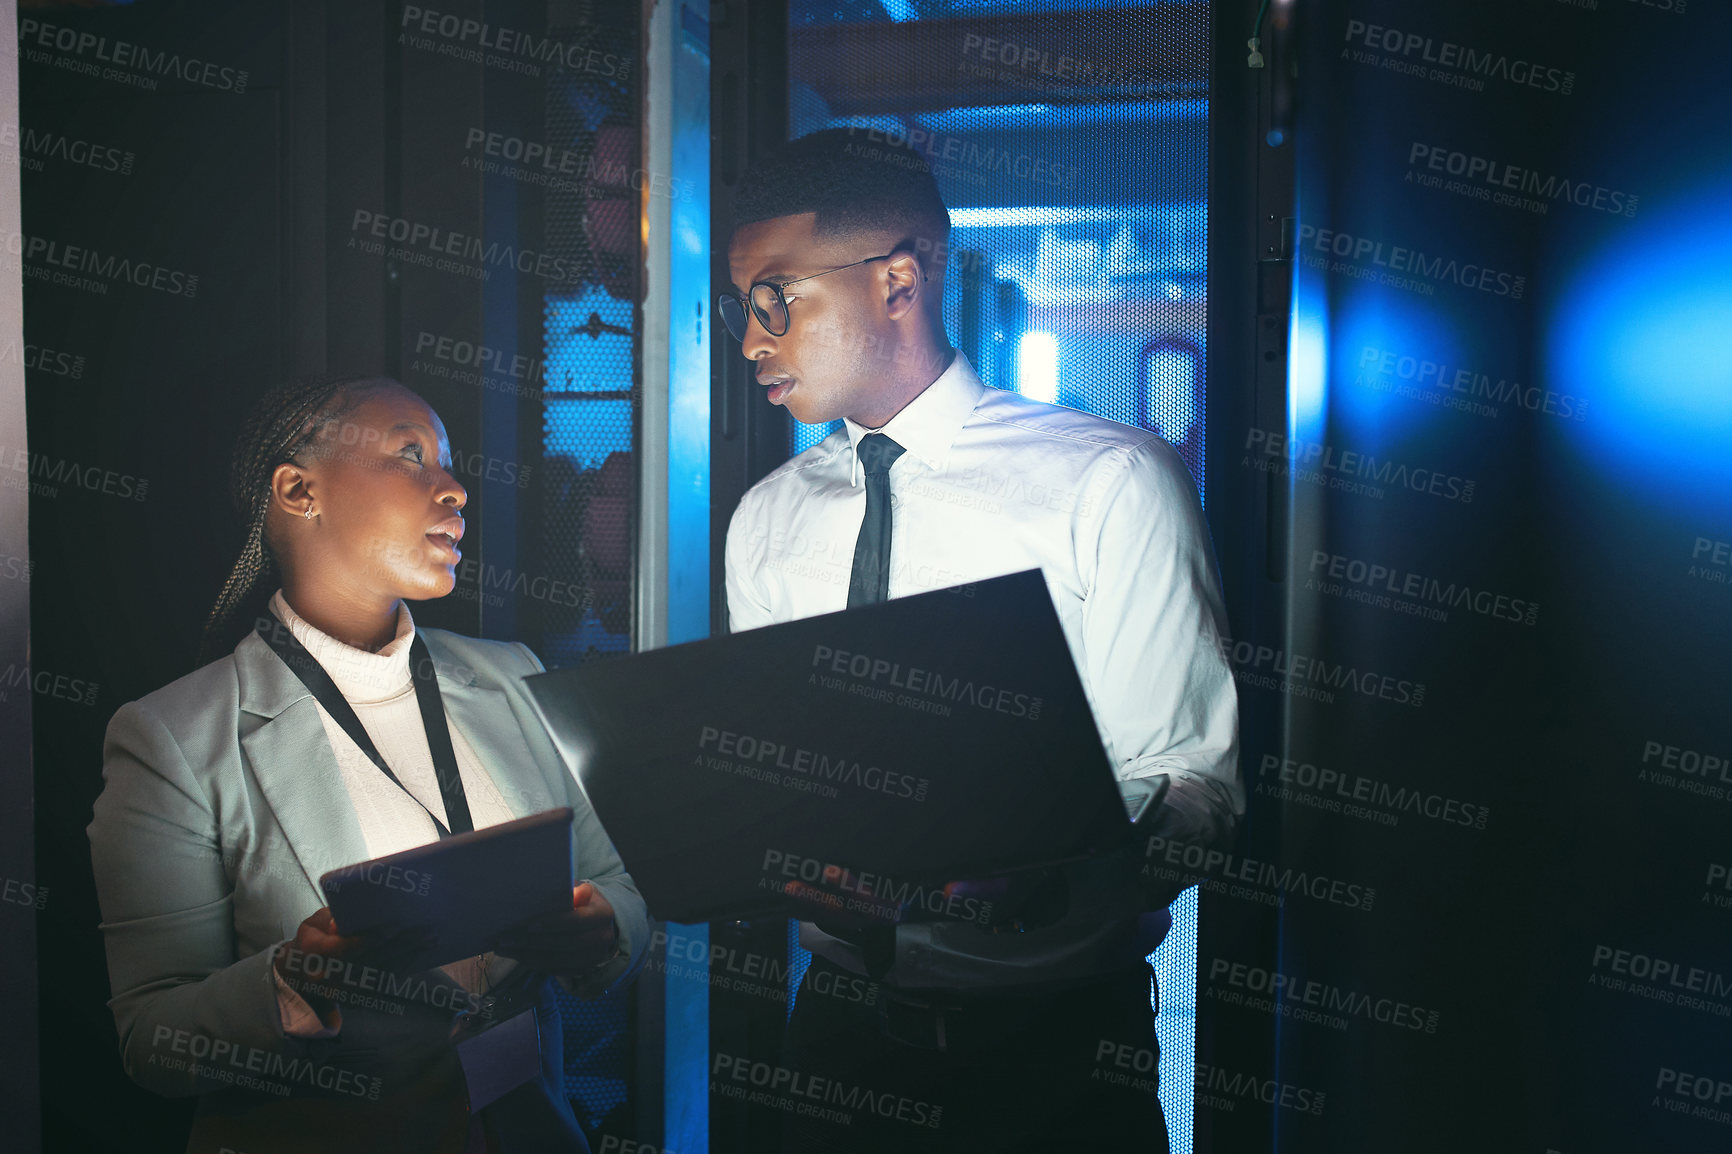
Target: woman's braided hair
(283,425)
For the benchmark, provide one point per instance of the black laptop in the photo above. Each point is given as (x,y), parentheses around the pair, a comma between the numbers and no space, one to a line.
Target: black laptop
(915,741)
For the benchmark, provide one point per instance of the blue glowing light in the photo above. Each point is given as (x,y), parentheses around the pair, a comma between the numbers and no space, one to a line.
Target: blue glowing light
(1308,360)
(1395,356)
(1644,332)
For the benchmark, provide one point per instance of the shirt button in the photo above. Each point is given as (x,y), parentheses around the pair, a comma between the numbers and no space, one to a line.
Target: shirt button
(895,501)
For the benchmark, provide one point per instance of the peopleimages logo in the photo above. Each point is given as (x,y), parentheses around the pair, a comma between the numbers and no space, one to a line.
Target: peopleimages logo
(807,1094)
(479,364)
(1391,587)
(394,877)
(884,896)
(614,1144)
(22,893)
(538,162)
(1307,999)
(866,670)
(490,579)
(1415,54)
(744,971)
(1220,1089)
(1704,1096)
(44,475)
(47,683)
(1401,267)
(43,360)
(1664,981)
(147,64)
(1307,676)
(1010,485)
(506,48)
(1719,879)
(424,243)
(1675,7)
(1687,770)
(57,262)
(1067,71)
(966,159)
(1350,470)
(1665,972)
(239,1064)
(1507,184)
(1440,382)
(39,144)
(1710,560)
(1278,879)
(1352,793)
(735,751)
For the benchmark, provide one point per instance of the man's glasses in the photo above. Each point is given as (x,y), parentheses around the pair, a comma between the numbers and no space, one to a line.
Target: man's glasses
(768,304)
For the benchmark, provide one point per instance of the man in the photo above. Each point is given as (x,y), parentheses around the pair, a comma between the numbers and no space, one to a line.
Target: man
(837,263)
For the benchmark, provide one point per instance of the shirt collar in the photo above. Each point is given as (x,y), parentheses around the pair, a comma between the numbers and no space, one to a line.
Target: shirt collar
(361,677)
(927,425)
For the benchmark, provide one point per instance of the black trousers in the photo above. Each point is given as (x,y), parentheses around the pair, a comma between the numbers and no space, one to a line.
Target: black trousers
(1059,1071)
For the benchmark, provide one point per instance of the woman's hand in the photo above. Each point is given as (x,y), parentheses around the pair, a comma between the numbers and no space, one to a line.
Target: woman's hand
(569,944)
(318,935)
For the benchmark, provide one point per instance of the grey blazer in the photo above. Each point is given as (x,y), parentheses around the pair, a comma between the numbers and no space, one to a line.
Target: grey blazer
(222,805)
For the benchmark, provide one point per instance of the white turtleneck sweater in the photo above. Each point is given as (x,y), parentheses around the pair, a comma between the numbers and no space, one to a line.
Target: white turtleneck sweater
(380,689)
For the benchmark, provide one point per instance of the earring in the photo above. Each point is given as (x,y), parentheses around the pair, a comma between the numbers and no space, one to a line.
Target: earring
(309,512)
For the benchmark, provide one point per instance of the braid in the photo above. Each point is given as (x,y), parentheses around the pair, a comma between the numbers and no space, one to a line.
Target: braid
(279,426)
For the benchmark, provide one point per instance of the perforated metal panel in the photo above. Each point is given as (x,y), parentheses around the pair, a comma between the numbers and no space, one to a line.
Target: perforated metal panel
(588,487)
(799,960)
(1175,963)
(590,413)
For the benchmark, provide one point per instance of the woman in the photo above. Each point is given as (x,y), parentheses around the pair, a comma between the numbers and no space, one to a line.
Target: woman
(228,793)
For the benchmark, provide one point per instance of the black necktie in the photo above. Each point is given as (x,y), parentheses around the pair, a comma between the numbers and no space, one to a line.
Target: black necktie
(869,583)
(870,580)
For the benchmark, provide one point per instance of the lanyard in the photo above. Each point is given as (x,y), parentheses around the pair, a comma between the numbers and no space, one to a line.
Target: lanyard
(306,667)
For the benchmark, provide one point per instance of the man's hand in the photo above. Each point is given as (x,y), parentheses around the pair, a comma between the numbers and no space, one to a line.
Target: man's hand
(848,911)
(569,944)
(1017,902)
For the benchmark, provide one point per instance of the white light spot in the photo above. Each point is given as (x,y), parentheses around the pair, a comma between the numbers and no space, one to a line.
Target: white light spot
(1037,367)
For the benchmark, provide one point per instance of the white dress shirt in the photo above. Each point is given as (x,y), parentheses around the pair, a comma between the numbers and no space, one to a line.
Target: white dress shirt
(380,689)
(993,483)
